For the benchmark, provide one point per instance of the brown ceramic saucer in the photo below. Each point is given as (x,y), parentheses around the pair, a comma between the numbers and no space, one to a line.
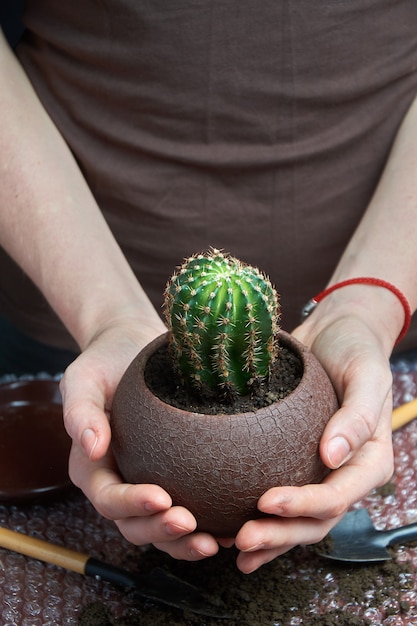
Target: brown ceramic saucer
(34,446)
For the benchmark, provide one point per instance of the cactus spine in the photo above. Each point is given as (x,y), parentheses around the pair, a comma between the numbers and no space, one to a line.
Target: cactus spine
(223,317)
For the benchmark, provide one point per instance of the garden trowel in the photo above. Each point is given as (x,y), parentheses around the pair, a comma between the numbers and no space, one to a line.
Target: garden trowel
(158,584)
(355,539)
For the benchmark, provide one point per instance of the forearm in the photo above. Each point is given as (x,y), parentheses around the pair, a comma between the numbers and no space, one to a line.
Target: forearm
(385,243)
(49,221)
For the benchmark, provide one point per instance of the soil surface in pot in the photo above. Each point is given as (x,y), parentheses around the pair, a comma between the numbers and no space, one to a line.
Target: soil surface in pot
(165,384)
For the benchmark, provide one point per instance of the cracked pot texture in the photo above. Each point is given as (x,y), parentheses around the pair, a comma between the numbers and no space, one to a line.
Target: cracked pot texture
(219,465)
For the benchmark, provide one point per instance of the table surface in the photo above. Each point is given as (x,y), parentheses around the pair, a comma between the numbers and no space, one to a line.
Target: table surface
(33,593)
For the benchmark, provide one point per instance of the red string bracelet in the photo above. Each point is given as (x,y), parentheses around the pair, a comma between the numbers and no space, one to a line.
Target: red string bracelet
(378,282)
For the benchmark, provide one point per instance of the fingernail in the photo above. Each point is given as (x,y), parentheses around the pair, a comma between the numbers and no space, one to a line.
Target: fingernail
(176,529)
(258,546)
(150,507)
(278,506)
(338,452)
(89,441)
(198,553)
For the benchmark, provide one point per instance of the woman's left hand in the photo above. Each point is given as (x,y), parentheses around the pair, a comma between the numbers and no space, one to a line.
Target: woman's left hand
(356,443)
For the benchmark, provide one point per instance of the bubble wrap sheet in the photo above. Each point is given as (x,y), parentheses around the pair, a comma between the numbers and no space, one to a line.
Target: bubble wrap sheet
(33,593)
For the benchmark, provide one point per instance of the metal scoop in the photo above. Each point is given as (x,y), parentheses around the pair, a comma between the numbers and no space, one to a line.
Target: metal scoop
(355,539)
(158,584)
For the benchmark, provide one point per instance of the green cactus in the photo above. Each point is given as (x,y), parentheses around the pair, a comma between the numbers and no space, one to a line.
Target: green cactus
(223,317)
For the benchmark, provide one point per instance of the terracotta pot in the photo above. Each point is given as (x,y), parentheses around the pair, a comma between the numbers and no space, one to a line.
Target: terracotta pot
(219,465)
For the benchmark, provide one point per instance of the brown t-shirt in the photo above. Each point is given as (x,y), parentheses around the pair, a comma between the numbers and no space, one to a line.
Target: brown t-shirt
(258,127)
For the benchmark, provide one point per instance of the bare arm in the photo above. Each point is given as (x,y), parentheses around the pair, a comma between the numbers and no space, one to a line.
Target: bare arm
(385,241)
(51,225)
(383,246)
(352,332)
(49,221)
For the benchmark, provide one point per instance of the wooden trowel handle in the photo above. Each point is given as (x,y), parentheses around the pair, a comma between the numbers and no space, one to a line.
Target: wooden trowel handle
(42,550)
(404,414)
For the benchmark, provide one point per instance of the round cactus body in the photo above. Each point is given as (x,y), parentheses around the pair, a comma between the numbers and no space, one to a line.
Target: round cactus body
(223,317)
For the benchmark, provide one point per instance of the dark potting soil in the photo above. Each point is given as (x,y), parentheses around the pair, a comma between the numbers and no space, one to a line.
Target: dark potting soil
(165,384)
(276,595)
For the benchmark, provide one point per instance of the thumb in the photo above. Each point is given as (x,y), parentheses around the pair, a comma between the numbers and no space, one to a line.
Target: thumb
(85,417)
(360,419)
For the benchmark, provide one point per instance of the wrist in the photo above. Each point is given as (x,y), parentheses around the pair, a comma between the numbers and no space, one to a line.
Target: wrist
(381,305)
(133,314)
(368,281)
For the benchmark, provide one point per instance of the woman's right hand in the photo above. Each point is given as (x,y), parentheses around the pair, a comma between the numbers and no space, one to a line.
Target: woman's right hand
(143,513)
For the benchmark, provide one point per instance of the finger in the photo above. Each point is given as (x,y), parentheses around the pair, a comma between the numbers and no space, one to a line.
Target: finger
(113,499)
(279,533)
(143,513)
(360,372)
(193,547)
(84,413)
(360,419)
(249,562)
(372,466)
(166,527)
(263,540)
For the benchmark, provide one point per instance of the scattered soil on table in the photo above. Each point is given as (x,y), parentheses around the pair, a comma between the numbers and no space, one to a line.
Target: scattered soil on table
(163,381)
(299,585)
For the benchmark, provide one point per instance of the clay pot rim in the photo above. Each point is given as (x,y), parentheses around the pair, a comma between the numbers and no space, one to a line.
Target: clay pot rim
(289,341)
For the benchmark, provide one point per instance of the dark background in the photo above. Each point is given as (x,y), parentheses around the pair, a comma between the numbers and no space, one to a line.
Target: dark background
(10,19)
